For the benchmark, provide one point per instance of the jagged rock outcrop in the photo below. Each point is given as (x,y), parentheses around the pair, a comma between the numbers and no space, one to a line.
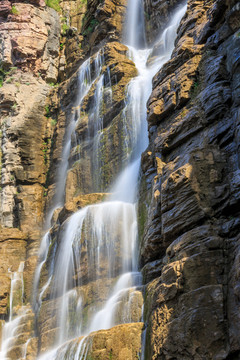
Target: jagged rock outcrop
(189,203)
(157,15)
(30,38)
(29,59)
(190,180)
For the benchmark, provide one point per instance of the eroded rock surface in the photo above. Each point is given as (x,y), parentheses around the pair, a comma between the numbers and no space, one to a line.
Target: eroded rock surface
(189,204)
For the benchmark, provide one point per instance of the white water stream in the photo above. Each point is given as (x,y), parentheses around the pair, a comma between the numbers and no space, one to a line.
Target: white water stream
(16,311)
(101,238)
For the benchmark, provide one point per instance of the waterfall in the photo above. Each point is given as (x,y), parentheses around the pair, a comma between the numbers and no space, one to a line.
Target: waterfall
(16,311)
(97,245)
(84,83)
(134,34)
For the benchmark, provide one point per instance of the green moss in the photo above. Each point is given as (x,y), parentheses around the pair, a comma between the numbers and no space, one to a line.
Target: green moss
(9,80)
(147,16)
(91,27)
(4,72)
(54,4)
(183,113)
(143,204)
(53,122)
(14,10)
(195,89)
(47,111)
(45,150)
(65,28)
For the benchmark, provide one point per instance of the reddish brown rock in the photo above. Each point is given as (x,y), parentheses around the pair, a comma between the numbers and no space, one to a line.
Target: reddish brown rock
(27,41)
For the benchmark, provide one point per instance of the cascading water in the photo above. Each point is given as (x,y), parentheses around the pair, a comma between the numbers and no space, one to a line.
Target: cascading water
(134,34)
(84,84)
(99,242)
(16,313)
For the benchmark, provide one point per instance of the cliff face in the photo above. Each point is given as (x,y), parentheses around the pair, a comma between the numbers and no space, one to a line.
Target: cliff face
(40,87)
(29,59)
(189,197)
(188,208)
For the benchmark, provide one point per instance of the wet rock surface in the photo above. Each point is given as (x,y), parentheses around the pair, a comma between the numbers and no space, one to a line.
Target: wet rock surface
(188,208)
(42,50)
(190,177)
(157,14)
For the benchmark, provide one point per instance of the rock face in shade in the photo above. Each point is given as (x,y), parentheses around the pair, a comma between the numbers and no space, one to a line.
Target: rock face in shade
(189,193)
(157,14)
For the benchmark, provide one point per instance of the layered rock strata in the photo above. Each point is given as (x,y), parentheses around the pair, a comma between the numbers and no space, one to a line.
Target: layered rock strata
(189,197)
(29,60)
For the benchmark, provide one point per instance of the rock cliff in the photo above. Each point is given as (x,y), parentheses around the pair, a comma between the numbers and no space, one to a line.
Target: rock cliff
(189,196)
(188,208)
